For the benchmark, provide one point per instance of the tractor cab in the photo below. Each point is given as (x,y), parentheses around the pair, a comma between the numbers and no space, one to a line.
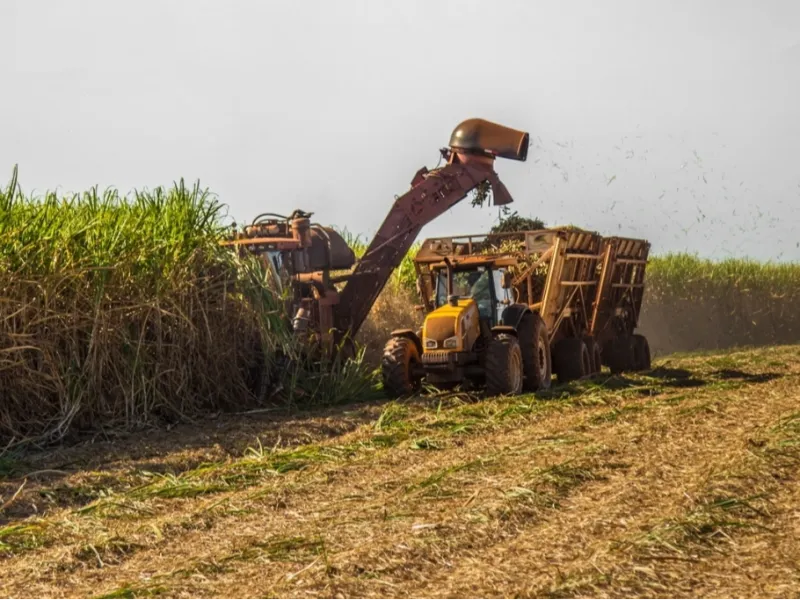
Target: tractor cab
(485,284)
(468,301)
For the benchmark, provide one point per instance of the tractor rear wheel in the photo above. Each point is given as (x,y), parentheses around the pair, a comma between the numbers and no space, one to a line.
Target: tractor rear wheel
(641,353)
(536,361)
(398,365)
(504,372)
(595,354)
(572,360)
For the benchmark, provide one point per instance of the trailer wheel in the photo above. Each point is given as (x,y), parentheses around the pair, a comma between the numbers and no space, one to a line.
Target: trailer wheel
(641,353)
(619,354)
(595,354)
(572,360)
(398,363)
(504,372)
(536,361)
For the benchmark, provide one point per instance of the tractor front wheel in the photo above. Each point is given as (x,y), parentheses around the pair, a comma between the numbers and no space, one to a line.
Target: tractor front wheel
(504,371)
(399,362)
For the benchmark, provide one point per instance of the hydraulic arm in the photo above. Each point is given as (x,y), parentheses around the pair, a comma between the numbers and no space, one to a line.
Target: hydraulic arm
(474,145)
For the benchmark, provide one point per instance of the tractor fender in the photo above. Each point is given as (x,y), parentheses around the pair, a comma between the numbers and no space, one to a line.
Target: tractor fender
(513,315)
(498,329)
(409,334)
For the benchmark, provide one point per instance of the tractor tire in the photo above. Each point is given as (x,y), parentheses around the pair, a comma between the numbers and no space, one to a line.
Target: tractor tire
(400,357)
(536,361)
(504,371)
(618,354)
(595,354)
(572,360)
(641,353)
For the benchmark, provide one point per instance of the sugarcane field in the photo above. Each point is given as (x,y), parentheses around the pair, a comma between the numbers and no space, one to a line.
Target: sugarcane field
(284,313)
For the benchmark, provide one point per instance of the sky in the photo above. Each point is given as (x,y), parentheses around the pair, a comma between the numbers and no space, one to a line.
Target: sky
(677,121)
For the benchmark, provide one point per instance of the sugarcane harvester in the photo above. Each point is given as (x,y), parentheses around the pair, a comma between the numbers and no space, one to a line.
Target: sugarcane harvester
(330,293)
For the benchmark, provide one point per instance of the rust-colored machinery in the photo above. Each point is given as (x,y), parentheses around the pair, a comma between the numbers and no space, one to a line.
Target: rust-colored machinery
(330,293)
(507,310)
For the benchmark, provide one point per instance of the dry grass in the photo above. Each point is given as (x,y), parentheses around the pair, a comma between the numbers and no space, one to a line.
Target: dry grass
(682,481)
(394,309)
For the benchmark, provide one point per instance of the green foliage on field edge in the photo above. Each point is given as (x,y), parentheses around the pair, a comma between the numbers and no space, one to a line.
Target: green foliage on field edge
(121,311)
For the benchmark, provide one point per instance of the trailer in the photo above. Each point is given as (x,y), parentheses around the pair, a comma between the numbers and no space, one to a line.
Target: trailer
(620,292)
(507,311)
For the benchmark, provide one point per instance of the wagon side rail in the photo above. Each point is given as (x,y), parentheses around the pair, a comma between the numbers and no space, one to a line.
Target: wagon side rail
(568,301)
(621,287)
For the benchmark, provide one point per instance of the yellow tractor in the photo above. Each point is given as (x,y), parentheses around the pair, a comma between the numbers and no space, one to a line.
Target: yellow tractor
(506,311)
(474,332)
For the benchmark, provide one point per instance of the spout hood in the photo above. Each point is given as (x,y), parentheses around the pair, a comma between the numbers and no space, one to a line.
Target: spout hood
(500,194)
(477,135)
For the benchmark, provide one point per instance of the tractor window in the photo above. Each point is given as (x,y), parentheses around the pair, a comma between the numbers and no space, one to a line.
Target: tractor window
(475,284)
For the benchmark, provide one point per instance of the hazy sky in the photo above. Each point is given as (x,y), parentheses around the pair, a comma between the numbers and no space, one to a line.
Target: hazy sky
(677,121)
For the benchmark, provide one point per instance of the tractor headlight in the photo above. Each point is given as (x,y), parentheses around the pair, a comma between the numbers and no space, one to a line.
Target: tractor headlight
(451,343)
(430,344)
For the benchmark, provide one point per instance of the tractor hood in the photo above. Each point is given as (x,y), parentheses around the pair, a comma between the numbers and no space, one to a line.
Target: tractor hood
(448,322)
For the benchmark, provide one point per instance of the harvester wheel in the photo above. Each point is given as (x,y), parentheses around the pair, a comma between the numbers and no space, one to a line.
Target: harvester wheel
(595,354)
(619,354)
(504,372)
(536,362)
(641,353)
(572,360)
(400,358)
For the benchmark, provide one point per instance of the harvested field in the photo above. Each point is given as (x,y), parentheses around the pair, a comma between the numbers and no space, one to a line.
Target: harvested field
(682,481)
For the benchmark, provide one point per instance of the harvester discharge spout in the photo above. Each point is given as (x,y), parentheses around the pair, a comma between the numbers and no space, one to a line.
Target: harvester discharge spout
(474,146)
(484,137)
